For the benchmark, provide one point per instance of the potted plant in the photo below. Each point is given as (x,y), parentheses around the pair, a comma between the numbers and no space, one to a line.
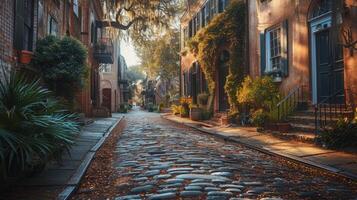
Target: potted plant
(25,56)
(195,112)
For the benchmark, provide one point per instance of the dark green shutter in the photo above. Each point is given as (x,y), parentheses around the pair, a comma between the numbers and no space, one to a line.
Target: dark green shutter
(284,49)
(262,53)
(19,25)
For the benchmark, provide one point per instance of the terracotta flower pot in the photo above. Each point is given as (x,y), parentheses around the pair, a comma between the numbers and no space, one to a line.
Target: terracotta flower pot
(25,57)
(195,114)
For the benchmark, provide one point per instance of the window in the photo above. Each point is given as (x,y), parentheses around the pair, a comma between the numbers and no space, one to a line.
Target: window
(52,26)
(194,22)
(273,39)
(190,31)
(274,50)
(323,7)
(28,26)
(213,7)
(93,33)
(207,10)
(198,26)
(203,17)
(106,68)
(76,7)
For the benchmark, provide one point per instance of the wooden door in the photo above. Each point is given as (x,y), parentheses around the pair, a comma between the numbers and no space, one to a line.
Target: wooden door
(329,67)
(107,98)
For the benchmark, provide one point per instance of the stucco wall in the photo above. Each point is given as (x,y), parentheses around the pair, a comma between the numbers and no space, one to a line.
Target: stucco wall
(350,21)
(270,13)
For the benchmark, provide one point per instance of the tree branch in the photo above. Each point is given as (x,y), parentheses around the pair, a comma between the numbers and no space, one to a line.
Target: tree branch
(118,25)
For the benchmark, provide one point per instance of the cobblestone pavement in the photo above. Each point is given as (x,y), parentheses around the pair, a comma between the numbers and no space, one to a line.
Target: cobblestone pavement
(162,160)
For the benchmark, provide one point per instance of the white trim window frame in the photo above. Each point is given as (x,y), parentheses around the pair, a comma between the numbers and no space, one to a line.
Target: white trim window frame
(76,7)
(273,42)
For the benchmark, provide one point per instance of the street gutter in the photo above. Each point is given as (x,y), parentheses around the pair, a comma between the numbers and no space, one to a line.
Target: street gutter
(73,183)
(271,152)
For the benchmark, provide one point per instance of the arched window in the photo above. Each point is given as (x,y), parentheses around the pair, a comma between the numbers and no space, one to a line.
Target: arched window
(321,7)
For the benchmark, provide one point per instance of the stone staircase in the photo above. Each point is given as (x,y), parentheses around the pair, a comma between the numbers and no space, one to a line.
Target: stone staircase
(303,120)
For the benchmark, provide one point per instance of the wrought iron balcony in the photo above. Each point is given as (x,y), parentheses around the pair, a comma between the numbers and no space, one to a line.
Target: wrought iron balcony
(103,51)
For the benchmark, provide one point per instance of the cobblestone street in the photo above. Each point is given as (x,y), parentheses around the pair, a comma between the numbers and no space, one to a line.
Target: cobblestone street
(161,160)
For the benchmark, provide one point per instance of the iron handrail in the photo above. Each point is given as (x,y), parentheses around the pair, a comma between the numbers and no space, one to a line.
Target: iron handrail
(328,109)
(289,103)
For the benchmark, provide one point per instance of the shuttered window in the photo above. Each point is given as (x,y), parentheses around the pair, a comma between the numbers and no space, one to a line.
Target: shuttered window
(274,49)
(23,37)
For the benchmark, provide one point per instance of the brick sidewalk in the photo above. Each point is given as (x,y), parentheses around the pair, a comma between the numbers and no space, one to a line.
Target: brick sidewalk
(58,176)
(331,160)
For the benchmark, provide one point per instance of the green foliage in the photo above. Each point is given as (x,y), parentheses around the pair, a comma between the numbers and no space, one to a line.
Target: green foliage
(343,134)
(259,93)
(259,117)
(225,29)
(185,109)
(62,63)
(175,109)
(123,108)
(166,51)
(150,107)
(206,114)
(135,73)
(160,107)
(34,128)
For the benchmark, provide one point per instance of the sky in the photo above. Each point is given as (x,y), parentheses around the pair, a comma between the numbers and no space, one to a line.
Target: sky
(128,51)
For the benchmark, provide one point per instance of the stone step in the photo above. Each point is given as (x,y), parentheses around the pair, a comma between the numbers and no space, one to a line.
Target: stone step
(308,119)
(309,128)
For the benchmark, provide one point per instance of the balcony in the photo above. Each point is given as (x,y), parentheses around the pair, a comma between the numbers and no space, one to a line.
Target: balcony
(103,51)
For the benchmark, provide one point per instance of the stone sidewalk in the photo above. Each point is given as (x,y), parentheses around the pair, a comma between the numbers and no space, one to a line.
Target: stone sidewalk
(64,176)
(334,161)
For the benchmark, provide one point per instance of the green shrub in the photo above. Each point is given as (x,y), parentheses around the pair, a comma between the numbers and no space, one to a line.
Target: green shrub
(206,114)
(160,107)
(34,128)
(62,64)
(259,93)
(175,109)
(150,107)
(185,109)
(259,117)
(123,108)
(343,134)
(202,99)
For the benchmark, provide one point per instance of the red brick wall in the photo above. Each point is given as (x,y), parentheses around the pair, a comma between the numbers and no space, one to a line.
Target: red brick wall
(6,30)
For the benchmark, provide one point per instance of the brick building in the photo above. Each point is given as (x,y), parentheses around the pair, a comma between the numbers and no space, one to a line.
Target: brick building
(298,42)
(23,22)
(198,15)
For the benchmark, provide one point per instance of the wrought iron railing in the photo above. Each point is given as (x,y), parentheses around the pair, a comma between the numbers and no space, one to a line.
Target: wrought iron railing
(330,109)
(289,104)
(104,51)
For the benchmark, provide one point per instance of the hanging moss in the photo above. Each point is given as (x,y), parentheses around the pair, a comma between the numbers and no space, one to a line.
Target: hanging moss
(226,30)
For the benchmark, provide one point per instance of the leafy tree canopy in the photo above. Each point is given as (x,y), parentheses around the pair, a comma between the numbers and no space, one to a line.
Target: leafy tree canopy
(160,56)
(141,18)
(62,63)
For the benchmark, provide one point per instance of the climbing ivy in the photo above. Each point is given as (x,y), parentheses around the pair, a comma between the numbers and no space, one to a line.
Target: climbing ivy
(226,31)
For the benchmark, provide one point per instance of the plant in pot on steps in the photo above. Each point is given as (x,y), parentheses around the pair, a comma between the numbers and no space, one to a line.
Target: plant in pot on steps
(195,112)
(185,107)
(34,127)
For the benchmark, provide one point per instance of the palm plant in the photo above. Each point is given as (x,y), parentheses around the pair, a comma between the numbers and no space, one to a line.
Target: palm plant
(33,127)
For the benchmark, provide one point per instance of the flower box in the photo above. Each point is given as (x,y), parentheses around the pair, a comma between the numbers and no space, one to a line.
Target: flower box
(25,57)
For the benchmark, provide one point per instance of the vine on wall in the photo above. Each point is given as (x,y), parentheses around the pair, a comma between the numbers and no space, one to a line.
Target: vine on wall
(226,30)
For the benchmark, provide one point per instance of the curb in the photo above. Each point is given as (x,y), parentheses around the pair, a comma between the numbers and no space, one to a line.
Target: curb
(73,183)
(268,151)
